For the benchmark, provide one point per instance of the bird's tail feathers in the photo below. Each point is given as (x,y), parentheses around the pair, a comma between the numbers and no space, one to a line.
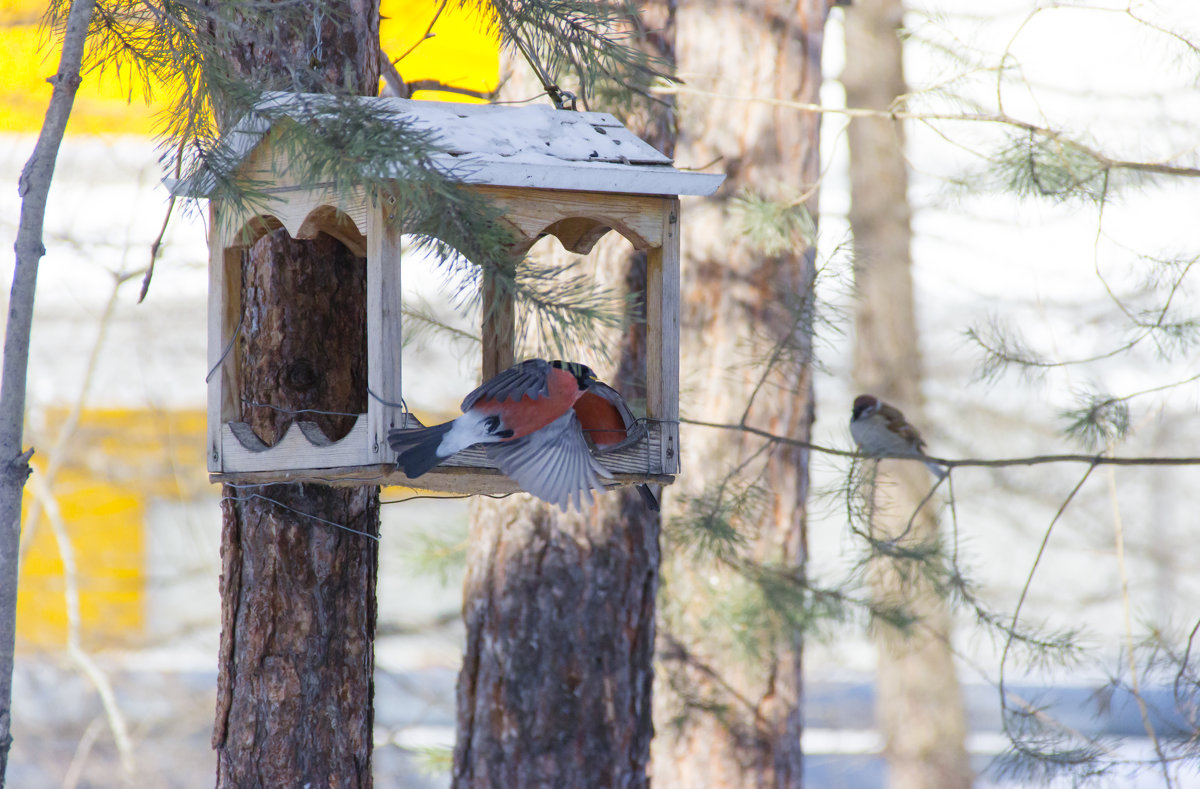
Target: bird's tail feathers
(648,497)
(418,449)
(937,470)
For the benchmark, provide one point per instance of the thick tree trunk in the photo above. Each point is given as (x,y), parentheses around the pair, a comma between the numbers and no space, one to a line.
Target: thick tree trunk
(919,706)
(727,720)
(555,687)
(294,703)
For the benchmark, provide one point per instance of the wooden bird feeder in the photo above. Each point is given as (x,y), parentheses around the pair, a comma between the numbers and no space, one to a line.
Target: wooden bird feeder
(571,175)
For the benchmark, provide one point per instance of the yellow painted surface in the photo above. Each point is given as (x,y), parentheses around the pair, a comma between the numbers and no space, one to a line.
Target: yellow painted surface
(118,462)
(460,53)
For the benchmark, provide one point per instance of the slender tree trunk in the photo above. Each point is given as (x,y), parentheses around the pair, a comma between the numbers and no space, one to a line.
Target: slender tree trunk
(555,687)
(919,703)
(295,689)
(729,720)
(34,188)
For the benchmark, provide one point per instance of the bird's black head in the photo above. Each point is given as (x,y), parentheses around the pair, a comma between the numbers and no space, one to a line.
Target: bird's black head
(863,403)
(583,374)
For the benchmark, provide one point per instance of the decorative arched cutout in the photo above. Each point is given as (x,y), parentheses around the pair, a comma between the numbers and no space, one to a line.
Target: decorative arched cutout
(334,222)
(253,229)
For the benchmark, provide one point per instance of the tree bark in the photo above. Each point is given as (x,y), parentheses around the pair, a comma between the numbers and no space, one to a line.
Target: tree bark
(555,687)
(728,721)
(295,689)
(34,188)
(554,690)
(919,703)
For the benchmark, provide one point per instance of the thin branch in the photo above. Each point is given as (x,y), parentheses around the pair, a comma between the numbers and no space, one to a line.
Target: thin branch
(34,188)
(1134,684)
(1106,162)
(1034,460)
(59,453)
(426,35)
(1025,592)
(89,667)
(162,231)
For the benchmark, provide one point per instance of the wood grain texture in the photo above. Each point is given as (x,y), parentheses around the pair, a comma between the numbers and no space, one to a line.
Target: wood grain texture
(297,459)
(533,211)
(462,480)
(498,326)
(662,336)
(224,321)
(306,212)
(385,331)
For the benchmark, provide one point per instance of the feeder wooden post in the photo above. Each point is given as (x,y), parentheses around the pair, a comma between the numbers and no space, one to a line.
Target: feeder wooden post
(662,336)
(384,335)
(499,326)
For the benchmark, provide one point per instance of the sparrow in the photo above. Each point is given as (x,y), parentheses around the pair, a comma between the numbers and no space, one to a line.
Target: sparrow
(526,418)
(880,429)
(609,425)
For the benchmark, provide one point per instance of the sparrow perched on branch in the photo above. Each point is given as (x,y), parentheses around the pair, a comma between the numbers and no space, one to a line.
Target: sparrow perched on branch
(880,429)
(609,425)
(526,418)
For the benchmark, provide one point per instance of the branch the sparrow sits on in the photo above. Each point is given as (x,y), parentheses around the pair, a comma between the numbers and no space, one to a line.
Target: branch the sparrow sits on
(880,429)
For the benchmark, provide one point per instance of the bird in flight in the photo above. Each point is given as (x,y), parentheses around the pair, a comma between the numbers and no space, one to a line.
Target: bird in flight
(526,418)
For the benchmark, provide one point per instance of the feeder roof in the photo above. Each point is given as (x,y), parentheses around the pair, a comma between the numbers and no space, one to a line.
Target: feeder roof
(533,146)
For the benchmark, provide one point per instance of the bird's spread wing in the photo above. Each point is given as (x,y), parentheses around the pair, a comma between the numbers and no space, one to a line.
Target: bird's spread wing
(553,463)
(527,379)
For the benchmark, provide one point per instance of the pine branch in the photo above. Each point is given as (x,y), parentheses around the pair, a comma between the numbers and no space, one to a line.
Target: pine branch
(1034,460)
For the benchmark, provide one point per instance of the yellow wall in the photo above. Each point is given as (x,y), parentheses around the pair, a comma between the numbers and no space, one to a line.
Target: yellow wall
(118,462)
(461,53)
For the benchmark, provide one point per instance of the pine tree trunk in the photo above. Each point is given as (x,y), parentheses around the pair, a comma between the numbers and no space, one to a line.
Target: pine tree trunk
(554,690)
(294,700)
(919,703)
(555,686)
(727,719)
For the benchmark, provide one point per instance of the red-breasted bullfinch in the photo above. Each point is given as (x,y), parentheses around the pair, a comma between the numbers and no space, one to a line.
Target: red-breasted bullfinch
(880,429)
(610,425)
(526,418)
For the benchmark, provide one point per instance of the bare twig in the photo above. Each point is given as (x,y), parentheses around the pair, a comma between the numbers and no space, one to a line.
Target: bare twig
(1134,683)
(162,231)
(1008,642)
(59,452)
(426,35)
(1001,118)
(89,667)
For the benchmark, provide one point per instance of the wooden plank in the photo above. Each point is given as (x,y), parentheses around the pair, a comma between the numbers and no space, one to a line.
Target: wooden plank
(499,326)
(456,481)
(531,211)
(662,336)
(610,178)
(296,450)
(384,329)
(224,317)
